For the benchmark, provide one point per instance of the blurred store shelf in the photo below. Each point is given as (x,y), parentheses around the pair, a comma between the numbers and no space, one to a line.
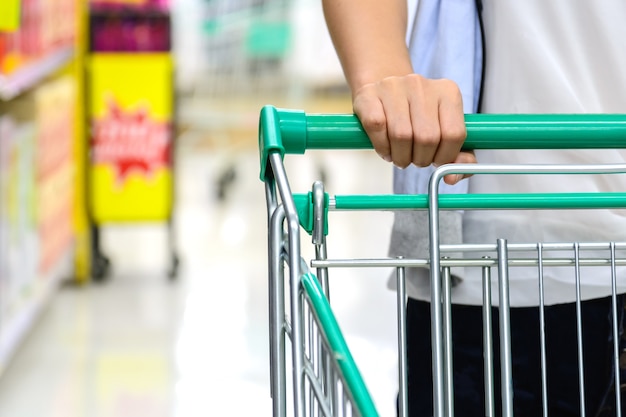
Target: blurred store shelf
(33,73)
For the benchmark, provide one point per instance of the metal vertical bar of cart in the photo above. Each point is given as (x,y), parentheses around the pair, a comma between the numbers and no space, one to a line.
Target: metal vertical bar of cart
(324,379)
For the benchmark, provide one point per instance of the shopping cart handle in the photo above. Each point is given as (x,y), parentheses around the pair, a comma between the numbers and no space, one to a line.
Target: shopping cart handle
(294,132)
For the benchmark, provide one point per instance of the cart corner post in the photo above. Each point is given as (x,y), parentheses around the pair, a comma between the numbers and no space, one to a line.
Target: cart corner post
(283,131)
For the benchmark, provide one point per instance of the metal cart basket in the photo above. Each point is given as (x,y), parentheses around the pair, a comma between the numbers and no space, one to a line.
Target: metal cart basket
(324,379)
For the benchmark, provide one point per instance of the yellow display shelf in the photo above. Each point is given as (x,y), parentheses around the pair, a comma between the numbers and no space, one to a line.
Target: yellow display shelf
(131,114)
(82,229)
(131,107)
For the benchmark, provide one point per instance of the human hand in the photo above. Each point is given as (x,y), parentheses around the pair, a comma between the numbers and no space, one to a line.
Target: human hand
(413,119)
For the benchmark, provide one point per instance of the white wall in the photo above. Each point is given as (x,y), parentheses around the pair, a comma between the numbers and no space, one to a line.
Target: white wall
(187,36)
(313,59)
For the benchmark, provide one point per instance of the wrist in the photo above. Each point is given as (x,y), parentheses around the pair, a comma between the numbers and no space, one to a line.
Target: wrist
(364,78)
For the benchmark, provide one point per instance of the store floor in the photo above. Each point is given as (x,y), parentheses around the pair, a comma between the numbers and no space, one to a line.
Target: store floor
(139,345)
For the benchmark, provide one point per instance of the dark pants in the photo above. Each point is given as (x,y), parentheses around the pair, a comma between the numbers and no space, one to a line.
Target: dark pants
(562,359)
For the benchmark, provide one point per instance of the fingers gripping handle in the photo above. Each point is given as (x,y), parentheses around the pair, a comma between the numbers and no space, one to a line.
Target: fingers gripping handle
(293,131)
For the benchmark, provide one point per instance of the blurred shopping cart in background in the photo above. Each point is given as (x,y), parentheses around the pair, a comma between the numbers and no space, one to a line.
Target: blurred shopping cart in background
(240,54)
(246,46)
(246,54)
(317,375)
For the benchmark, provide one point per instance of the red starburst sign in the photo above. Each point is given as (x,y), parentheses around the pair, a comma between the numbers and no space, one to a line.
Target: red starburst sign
(131,141)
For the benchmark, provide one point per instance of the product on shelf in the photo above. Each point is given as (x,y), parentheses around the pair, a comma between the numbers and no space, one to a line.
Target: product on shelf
(55,109)
(45,27)
(7,130)
(38,118)
(130,26)
(128,33)
(9,14)
(19,230)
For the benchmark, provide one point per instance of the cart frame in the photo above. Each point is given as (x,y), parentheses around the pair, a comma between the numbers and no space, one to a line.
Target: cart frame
(325,379)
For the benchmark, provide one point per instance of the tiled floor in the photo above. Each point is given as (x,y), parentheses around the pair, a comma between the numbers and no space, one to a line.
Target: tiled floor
(138,345)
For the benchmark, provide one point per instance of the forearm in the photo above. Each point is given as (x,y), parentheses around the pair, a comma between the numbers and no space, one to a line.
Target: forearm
(409,119)
(369,36)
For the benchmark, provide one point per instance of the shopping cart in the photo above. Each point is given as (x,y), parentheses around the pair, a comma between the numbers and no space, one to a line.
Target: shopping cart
(324,378)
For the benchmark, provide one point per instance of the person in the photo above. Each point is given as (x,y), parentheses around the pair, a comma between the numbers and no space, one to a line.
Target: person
(494,56)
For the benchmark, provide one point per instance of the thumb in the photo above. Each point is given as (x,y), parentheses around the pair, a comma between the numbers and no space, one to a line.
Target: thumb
(462,158)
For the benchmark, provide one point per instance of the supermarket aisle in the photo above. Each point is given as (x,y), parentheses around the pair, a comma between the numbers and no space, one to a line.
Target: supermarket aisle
(139,345)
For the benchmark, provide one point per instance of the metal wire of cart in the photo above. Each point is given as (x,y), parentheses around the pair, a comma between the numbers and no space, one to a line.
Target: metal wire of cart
(324,376)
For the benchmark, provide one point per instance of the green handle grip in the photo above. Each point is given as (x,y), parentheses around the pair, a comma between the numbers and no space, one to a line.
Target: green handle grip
(293,132)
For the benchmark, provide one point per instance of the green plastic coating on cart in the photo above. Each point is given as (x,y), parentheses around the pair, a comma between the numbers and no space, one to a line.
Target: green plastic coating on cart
(531,201)
(362,401)
(484,201)
(304,206)
(280,131)
(294,132)
(489,131)
(485,131)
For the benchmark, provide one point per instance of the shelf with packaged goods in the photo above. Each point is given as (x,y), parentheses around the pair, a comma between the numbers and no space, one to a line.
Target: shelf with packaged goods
(41,164)
(31,74)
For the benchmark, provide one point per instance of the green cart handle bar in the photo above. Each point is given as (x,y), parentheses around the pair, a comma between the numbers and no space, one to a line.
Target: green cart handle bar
(294,132)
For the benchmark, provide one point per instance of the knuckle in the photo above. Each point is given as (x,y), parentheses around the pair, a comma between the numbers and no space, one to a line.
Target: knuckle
(428,138)
(373,122)
(401,135)
(389,79)
(450,89)
(450,86)
(416,83)
(454,134)
(415,78)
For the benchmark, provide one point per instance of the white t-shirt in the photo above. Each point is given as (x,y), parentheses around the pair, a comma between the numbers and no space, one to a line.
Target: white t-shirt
(557,56)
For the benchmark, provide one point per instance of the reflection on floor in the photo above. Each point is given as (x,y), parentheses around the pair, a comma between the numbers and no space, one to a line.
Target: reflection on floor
(139,345)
